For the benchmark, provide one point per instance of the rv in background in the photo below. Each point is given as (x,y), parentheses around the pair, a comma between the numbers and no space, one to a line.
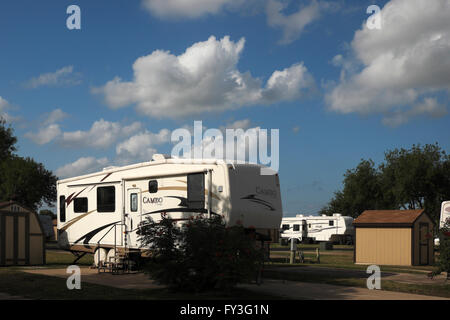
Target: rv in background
(309,229)
(445,214)
(101,212)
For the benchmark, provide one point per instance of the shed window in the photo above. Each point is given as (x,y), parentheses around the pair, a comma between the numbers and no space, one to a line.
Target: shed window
(62,208)
(80,205)
(331,223)
(153,186)
(296,227)
(106,199)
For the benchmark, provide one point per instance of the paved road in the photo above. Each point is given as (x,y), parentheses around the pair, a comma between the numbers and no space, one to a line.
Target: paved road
(318,291)
(285,289)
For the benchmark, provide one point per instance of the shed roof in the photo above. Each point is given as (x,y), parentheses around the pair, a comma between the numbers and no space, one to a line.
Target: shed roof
(387,217)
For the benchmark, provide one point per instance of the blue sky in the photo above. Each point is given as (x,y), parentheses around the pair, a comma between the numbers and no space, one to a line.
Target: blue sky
(340,92)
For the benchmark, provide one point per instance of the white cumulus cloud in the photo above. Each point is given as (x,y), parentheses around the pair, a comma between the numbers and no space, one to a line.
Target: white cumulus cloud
(293,24)
(189,9)
(140,147)
(44,135)
(61,77)
(204,78)
(405,62)
(102,134)
(83,165)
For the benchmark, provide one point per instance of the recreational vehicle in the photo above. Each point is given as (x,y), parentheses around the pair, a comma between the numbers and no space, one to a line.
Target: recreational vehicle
(445,213)
(101,212)
(335,228)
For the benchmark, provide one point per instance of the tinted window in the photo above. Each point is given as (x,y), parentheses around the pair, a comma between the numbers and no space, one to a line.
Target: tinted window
(106,199)
(133,202)
(196,190)
(296,227)
(62,208)
(80,205)
(153,186)
(285,227)
(331,222)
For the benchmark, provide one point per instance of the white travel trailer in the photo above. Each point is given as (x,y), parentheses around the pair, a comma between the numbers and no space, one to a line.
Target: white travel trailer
(445,213)
(335,228)
(102,211)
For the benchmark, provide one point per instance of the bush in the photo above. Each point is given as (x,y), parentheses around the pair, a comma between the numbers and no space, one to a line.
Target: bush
(443,262)
(202,255)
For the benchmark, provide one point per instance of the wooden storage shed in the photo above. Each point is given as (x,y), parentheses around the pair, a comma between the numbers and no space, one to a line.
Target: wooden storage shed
(394,237)
(22,240)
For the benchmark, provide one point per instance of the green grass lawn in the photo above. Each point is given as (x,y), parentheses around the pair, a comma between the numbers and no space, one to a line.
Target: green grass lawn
(33,286)
(440,290)
(58,259)
(343,259)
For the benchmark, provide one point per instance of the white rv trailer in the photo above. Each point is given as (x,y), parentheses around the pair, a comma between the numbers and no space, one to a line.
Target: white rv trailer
(317,228)
(445,213)
(102,210)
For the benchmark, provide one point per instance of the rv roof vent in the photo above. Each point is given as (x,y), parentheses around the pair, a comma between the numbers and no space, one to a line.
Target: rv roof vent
(336,214)
(299,215)
(324,215)
(108,168)
(159,157)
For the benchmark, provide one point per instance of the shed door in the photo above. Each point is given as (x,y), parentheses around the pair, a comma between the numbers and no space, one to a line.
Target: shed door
(14,242)
(424,245)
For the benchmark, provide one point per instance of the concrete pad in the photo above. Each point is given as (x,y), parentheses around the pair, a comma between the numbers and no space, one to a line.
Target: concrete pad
(123,281)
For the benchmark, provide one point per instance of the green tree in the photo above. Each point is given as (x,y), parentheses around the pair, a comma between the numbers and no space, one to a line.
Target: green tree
(202,255)
(7,140)
(47,212)
(362,190)
(27,182)
(23,179)
(413,178)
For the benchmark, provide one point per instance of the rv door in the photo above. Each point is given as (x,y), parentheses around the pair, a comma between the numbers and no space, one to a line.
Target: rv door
(196,191)
(133,215)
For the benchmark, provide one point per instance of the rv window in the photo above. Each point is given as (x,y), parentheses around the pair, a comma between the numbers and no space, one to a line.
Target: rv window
(196,190)
(331,223)
(106,199)
(80,205)
(133,202)
(62,208)
(285,227)
(153,186)
(296,227)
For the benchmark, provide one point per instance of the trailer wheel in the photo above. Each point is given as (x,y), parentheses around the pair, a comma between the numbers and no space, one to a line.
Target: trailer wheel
(100,256)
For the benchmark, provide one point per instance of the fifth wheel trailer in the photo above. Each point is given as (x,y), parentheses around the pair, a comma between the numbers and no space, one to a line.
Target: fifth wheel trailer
(101,211)
(335,228)
(445,213)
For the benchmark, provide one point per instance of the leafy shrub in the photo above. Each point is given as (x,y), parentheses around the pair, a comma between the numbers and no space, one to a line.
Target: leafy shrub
(201,255)
(443,262)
